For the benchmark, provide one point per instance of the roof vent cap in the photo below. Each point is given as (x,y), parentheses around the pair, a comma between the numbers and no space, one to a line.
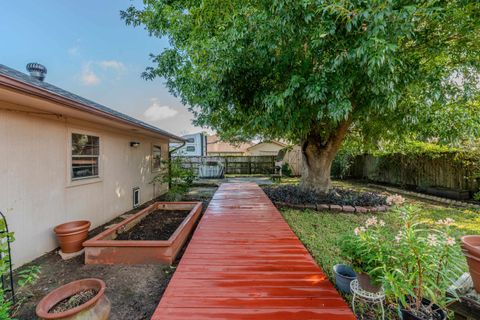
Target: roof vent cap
(37,70)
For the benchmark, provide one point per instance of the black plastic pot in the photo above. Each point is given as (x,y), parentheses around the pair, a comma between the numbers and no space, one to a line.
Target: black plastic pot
(343,276)
(405,314)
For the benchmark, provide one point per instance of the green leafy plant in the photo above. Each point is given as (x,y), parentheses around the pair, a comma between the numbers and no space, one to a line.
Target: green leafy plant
(286,170)
(179,178)
(476,196)
(424,262)
(367,248)
(26,276)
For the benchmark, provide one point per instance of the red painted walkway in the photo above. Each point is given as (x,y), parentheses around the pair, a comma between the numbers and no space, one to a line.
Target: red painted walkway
(244,262)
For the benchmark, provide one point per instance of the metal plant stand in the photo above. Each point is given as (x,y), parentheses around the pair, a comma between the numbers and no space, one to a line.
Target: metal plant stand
(360,295)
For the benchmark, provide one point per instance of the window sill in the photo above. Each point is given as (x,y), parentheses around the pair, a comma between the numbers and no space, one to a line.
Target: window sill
(82,182)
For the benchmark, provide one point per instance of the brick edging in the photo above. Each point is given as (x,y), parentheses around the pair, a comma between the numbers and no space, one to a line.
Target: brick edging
(428,197)
(332,207)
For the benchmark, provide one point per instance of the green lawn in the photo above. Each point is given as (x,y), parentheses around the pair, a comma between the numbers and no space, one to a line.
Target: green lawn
(322,231)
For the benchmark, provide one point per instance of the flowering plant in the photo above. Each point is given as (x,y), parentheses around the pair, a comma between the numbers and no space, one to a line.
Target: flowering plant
(424,262)
(366,249)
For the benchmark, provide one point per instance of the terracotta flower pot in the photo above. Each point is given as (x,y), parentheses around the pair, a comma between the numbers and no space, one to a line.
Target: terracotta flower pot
(97,308)
(471,249)
(71,235)
(365,282)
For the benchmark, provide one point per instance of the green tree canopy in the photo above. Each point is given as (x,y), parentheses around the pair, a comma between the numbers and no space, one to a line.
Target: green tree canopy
(310,71)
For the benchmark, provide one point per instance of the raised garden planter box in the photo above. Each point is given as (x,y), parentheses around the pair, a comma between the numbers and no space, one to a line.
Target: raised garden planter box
(105,249)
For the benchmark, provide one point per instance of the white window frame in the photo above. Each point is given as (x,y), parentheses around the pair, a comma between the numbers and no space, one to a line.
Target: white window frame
(153,159)
(72,182)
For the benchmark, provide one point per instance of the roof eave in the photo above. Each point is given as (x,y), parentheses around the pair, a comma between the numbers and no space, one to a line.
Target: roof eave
(47,95)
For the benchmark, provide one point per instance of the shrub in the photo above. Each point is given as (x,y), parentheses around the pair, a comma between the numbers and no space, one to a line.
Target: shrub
(426,261)
(417,262)
(366,249)
(286,170)
(179,178)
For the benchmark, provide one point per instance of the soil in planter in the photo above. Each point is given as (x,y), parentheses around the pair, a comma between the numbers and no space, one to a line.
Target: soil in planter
(158,225)
(73,301)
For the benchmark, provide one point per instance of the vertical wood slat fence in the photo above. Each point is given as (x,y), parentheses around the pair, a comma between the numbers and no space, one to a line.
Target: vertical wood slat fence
(235,164)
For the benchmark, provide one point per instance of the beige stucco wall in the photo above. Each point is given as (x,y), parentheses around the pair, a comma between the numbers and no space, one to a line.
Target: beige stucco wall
(264,149)
(35,188)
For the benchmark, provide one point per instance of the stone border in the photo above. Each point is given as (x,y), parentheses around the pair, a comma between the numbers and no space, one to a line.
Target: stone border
(452,202)
(333,207)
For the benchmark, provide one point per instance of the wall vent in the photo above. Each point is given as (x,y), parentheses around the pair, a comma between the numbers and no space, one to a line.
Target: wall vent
(136,197)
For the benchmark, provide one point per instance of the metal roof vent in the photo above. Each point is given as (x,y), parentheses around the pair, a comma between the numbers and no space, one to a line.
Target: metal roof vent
(37,70)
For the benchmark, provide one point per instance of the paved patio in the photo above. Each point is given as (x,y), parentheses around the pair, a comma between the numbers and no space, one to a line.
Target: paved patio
(244,262)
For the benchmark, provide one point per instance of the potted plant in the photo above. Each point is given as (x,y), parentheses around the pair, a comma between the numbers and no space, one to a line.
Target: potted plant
(365,249)
(81,299)
(71,235)
(471,249)
(344,275)
(424,261)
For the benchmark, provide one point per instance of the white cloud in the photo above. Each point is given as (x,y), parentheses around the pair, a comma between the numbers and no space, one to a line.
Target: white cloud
(74,51)
(112,64)
(88,77)
(157,112)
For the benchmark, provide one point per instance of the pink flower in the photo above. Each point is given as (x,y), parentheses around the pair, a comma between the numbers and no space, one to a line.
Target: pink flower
(371,222)
(395,199)
(432,240)
(399,237)
(450,241)
(446,222)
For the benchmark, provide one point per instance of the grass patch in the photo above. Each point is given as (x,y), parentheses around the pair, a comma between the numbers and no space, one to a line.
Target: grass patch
(321,232)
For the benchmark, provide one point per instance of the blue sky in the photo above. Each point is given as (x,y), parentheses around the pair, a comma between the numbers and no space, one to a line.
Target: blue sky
(89,50)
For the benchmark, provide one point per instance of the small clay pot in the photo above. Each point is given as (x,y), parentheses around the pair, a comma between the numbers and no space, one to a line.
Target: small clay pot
(365,282)
(97,308)
(71,235)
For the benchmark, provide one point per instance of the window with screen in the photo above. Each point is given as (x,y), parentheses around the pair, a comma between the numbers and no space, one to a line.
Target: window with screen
(85,156)
(156,158)
(190,149)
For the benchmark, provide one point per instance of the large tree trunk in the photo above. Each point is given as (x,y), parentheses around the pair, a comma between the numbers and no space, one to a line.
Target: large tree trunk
(318,153)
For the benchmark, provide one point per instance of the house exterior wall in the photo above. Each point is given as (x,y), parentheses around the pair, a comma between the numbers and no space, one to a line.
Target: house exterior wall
(264,149)
(36,191)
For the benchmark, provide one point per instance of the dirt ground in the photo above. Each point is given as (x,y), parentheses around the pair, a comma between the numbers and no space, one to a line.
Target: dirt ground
(134,291)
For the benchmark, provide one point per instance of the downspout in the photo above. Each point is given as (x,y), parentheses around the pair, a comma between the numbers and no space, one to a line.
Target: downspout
(170,164)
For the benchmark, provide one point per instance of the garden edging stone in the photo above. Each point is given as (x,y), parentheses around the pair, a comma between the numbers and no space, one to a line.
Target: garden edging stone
(332,207)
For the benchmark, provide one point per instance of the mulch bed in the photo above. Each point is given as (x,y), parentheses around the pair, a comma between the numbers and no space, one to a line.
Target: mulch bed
(292,194)
(73,301)
(157,225)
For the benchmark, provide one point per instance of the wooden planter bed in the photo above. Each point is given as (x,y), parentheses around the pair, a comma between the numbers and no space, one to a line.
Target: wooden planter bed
(105,249)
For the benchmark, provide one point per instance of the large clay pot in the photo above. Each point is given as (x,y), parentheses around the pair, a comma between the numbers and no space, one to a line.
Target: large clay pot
(471,249)
(97,308)
(365,282)
(71,235)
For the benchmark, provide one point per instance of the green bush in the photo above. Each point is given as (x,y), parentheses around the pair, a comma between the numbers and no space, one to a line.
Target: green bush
(179,178)
(286,170)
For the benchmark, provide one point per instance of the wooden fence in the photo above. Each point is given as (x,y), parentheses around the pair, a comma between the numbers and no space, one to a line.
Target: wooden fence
(443,170)
(235,164)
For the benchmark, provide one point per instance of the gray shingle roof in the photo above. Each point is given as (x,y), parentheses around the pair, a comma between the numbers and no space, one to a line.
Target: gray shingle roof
(22,77)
